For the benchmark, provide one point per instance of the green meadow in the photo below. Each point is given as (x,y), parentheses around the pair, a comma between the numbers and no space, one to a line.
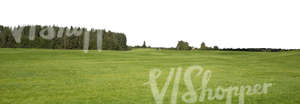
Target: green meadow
(45,76)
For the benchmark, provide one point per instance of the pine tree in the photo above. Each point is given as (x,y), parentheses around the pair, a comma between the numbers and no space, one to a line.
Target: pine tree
(144,45)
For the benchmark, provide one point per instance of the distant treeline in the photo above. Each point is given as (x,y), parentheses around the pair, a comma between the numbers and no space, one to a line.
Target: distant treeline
(254,49)
(233,49)
(65,38)
(182,45)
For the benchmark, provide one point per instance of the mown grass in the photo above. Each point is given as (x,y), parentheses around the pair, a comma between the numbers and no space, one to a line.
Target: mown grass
(43,76)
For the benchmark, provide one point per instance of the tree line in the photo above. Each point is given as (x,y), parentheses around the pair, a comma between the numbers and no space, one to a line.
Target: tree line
(65,38)
(255,49)
(182,45)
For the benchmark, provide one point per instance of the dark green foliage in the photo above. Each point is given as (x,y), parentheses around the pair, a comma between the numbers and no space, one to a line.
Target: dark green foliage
(114,41)
(111,40)
(1,38)
(7,40)
(182,45)
(255,49)
(203,46)
(144,45)
(216,47)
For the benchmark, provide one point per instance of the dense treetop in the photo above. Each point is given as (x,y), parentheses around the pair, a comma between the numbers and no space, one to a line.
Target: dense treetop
(64,38)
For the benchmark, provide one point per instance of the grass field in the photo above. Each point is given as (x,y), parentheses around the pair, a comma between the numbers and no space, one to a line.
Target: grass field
(43,76)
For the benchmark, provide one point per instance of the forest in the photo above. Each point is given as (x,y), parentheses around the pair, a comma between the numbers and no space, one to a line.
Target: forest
(64,38)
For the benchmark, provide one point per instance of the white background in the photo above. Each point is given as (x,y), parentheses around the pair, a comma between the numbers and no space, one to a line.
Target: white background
(161,23)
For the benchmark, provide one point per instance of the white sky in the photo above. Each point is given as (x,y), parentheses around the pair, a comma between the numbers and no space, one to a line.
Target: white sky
(226,23)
